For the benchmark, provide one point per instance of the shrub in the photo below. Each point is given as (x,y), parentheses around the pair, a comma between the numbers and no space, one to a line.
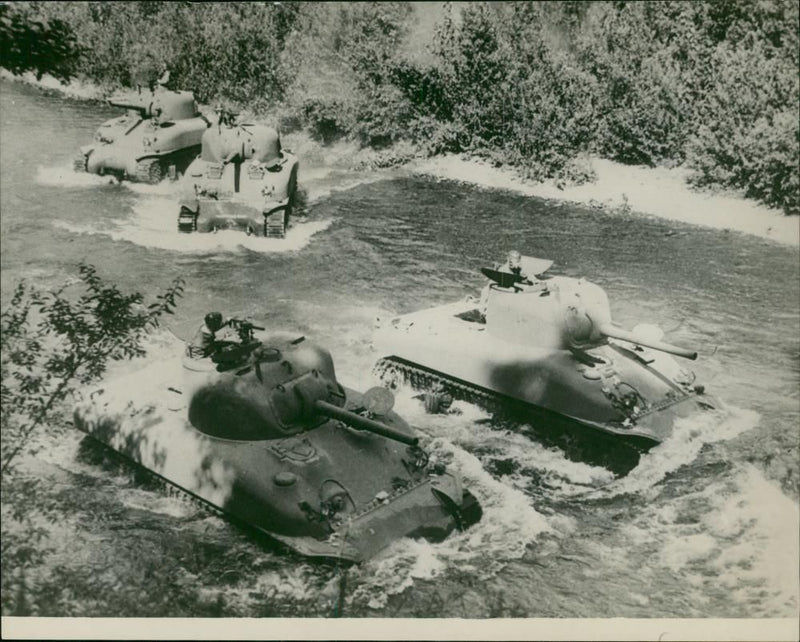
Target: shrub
(750,139)
(50,344)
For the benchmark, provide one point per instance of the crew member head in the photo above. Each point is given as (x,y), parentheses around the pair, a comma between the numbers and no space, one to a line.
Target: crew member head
(514,261)
(213,321)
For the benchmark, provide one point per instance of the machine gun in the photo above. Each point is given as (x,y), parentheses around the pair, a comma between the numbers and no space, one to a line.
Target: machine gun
(244,329)
(231,354)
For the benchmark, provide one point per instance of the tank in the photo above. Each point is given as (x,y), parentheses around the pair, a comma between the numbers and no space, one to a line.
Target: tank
(158,136)
(546,347)
(243,180)
(263,431)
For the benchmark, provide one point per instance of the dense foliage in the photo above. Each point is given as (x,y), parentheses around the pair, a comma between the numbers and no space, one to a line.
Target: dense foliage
(29,42)
(51,344)
(713,85)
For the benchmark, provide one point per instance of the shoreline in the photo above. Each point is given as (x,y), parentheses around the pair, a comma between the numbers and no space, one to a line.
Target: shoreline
(648,191)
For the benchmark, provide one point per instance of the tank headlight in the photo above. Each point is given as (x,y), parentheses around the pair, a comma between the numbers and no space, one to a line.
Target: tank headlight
(267,190)
(146,141)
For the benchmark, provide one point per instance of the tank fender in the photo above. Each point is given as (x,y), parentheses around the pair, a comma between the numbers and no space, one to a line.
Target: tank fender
(189,204)
(448,490)
(273,206)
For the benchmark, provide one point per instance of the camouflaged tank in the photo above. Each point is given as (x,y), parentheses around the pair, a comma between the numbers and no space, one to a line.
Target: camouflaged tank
(545,346)
(159,136)
(243,180)
(264,432)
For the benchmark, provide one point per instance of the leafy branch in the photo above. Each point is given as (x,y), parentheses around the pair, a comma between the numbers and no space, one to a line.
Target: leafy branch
(52,343)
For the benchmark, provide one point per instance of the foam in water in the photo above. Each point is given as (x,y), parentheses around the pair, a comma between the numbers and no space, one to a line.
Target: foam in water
(508,526)
(472,430)
(682,447)
(657,191)
(66,176)
(143,500)
(320,182)
(734,536)
(510,522)
(154,224)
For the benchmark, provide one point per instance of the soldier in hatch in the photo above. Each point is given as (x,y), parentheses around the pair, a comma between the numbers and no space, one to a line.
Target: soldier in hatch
(204,342)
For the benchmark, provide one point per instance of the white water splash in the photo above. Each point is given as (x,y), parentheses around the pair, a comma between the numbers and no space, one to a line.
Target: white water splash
(509,525)
(471,430)
(66,176)
(735,535)
(755,523)
(320,182)
(681,448)
(74,88)
(154,224)
(154,503)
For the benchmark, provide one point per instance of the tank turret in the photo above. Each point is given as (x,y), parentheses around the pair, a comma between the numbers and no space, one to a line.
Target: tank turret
(271,394)
(557,313)
(546,345)
(264,431)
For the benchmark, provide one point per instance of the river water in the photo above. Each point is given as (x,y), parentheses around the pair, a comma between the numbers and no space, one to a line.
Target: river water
(705,525)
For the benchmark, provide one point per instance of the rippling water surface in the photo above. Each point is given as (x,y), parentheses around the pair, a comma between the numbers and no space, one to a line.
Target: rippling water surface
(706,525)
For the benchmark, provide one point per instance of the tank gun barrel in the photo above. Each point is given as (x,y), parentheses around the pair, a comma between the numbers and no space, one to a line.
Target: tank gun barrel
(241,323)
(624,335)
(130,101)
(362,423)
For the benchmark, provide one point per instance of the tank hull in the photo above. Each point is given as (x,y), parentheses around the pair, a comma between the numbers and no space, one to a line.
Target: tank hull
(586,389)
(238,196)
(283,486)
(243,180)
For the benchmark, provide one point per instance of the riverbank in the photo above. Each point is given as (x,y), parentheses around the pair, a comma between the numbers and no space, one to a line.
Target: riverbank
(650,191)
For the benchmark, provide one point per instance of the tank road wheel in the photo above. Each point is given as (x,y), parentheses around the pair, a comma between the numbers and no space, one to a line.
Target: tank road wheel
(80,163)
(149,171)
(275,224)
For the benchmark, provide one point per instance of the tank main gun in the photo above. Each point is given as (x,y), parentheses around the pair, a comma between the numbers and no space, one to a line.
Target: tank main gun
(363,423)
(137,102)
(624,335)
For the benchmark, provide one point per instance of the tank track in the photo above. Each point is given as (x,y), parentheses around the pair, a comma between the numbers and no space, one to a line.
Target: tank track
(149,171)
(275,225)
(395,372)
(79,162)
(158,483)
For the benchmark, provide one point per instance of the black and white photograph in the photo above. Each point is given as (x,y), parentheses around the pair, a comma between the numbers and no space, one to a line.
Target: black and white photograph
(400,320)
